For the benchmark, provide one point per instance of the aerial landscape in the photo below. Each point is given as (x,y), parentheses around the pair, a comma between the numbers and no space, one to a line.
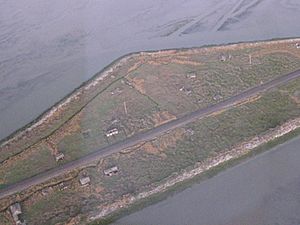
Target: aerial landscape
(123,136)
(196,121)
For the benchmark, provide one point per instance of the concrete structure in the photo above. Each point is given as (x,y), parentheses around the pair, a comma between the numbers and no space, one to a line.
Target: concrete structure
(59,156)
(111,171)
(298,45)
(112,132)
(16,212)
(85,181)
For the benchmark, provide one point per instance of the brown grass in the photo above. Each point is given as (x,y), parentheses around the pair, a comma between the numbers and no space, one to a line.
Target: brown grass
(139,84)
(150,148)
(160,118)
(135,66)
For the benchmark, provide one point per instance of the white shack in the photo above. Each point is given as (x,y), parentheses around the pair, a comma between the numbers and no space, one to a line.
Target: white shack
(112,132)
(59,156)
(85,181)
(111,171)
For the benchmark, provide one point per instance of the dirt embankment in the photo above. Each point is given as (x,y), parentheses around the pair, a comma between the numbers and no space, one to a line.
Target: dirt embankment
(199,168)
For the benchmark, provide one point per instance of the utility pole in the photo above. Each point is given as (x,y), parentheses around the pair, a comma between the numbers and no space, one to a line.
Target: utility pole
(250,59)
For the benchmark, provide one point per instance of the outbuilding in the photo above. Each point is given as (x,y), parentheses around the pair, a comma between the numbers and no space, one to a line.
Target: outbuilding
(85,181)
(112,132)
(59,156)
(16,212)
(191,75)
(111,171)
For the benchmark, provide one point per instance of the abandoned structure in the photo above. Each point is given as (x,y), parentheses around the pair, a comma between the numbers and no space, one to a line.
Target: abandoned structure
(16,212)
(223,58)
(59,156)
(112,132)
(116,91)
(62,186)
(191,75)
(187,91)
(189,131)
(85,181)
(111,171)
(217,97)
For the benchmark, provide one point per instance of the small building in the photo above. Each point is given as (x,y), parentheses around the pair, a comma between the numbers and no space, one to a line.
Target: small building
(191,75)
(16,212)
(223,58)
(189,132)
(111,171)
(59,156)
(187,91)
(112,132)
(116,91)
(127,82)
(217,97)
(85,181)
(62,186)
(181,89)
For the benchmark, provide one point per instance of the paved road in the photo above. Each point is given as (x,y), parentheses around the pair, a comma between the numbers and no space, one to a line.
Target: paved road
(148,135)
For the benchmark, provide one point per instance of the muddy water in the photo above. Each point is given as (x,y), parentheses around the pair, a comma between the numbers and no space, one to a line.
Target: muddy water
(47,48)
(262,191)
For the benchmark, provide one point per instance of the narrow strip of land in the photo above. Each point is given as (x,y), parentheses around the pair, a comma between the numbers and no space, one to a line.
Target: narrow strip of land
(145,136)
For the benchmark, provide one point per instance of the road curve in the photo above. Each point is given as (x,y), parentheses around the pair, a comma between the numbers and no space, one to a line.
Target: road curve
(145,136)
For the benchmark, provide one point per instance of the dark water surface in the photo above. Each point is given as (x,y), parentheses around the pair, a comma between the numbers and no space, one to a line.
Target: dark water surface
(262,191)
(48,48)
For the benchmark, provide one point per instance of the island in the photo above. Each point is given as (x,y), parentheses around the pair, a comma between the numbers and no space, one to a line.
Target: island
(147,124)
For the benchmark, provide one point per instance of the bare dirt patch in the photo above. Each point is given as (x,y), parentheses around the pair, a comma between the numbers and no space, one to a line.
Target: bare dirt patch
(139,84)
(160,118)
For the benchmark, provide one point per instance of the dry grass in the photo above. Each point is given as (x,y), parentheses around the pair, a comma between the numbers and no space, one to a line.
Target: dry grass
(156,89)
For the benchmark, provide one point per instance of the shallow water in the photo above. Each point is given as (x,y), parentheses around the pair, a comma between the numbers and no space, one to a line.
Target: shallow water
(48,48)
(261,191)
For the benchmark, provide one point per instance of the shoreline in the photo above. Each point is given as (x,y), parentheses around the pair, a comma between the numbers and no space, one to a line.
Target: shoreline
(70,107)
(110,68)
(245,150)
(65,100)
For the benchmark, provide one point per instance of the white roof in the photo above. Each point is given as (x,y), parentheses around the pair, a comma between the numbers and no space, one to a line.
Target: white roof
(85,180)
